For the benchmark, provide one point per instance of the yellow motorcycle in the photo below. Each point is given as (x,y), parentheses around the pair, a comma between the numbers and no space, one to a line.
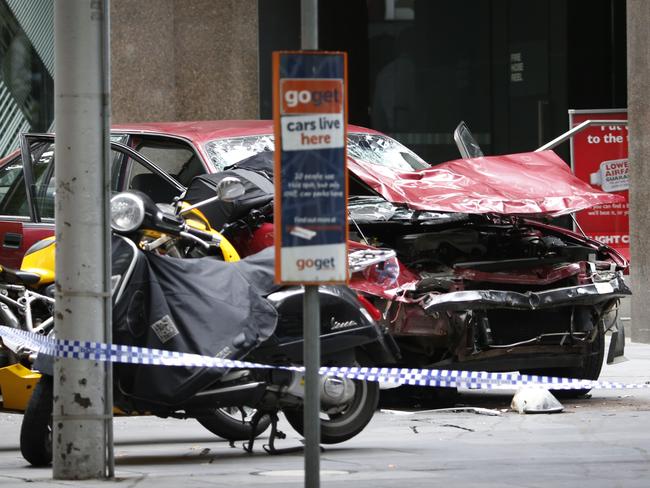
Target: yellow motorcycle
(27,294)
(27,300)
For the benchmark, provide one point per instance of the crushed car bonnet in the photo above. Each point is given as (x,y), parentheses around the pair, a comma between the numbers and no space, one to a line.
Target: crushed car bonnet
(535,183)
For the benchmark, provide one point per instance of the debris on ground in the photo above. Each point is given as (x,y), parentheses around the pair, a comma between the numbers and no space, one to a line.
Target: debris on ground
(458,427)
(535,400)
(476,410)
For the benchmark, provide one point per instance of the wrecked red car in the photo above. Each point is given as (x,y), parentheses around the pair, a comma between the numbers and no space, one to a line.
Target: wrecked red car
(476,280)
(458,263)
(457,260)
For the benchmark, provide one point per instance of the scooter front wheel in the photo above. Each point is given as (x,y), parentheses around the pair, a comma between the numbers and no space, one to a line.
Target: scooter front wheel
(344,425)
(234,423)
(36,429)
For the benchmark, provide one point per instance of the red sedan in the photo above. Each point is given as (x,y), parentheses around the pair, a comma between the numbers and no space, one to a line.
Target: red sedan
(447,255)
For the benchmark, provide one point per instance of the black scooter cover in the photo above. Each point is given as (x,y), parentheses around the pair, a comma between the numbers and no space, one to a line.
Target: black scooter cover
(201,306)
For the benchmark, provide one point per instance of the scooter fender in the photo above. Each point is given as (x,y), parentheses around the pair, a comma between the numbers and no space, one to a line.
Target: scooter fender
(344,326)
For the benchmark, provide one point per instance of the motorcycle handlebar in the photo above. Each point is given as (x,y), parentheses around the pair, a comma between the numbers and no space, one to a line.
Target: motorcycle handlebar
(204,236)
(267,209)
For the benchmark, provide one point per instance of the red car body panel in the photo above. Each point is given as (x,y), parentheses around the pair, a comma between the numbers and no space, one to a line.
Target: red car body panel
(538,183)
(24,235)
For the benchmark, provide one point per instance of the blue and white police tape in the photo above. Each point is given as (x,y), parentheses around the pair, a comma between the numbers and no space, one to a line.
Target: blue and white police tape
(97,351)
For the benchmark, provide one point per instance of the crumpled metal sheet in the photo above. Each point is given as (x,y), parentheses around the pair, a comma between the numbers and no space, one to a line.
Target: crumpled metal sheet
(537,183)
(587,294)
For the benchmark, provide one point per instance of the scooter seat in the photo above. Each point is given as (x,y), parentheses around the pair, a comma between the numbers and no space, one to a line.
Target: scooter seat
(18,277)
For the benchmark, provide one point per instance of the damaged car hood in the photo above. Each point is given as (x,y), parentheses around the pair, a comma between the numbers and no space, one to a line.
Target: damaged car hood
(535,183)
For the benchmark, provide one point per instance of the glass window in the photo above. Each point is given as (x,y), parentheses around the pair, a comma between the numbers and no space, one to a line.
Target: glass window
(383,151)
(139,177)
(146,181)
(426,74)
(12,189)
(177,158)
(370,148)
(26,68)
(226,152)
(44,182)
(13,195)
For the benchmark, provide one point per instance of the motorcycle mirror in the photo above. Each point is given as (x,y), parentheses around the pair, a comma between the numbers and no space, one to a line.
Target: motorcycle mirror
(230,188)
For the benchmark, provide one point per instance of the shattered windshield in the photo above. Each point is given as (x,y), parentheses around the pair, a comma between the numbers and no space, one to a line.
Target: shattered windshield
(226,152)
(384,151)
(370,148)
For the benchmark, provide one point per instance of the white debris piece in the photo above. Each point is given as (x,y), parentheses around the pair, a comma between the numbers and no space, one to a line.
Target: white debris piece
(476,410)
(535,400)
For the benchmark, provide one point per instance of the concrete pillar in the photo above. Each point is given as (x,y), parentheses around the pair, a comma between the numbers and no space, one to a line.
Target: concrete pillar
(143,86)
(184,60)
(638,69)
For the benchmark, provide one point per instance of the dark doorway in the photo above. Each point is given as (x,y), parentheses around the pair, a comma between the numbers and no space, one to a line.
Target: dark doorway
(511,69)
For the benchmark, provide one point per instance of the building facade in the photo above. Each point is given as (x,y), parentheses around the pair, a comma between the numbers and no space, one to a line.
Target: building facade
(26,69)
(510,69)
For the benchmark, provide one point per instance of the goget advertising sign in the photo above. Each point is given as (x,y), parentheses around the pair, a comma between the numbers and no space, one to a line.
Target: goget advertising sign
(310,118)
(599,157)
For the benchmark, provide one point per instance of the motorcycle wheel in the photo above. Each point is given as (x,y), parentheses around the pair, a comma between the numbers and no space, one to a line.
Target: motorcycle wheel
(346,424)
(233,423)
(36,429)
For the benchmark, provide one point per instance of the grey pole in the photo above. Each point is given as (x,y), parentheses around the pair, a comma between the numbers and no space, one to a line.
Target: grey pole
(311,306)
(82,417)
(638,85)
(309,24)
(311,350)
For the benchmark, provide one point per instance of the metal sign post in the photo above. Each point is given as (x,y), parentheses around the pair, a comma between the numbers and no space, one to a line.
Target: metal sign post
(311,306)
(310,113)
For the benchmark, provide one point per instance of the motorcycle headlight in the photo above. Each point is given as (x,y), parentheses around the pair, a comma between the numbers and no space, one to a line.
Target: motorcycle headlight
(127,212)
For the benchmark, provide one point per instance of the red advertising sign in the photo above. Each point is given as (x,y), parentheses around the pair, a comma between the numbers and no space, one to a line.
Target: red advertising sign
(599,157)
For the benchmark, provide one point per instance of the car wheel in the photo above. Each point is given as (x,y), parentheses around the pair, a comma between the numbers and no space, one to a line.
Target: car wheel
(234,423)
(36,429)
(343,425)
(592,360)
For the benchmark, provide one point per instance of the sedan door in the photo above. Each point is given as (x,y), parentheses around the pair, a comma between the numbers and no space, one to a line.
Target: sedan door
(27,190)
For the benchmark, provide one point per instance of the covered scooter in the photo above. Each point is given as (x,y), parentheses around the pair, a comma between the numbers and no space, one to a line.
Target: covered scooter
(219,309)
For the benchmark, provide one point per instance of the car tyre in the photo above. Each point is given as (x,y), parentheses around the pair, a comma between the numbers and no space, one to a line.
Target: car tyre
(591,365)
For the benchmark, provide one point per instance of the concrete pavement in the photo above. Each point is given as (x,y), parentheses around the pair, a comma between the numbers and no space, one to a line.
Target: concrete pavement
(599,441)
